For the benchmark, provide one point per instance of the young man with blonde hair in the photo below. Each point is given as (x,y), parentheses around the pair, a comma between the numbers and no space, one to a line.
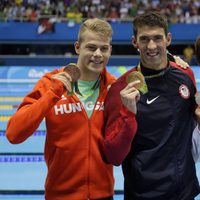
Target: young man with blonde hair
(74,123)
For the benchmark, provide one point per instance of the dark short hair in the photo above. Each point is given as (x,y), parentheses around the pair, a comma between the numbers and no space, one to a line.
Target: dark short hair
(152,19)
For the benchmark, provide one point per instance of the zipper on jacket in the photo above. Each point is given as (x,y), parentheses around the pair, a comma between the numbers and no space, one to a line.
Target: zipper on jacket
(102,91)
(88,172)
(101,95)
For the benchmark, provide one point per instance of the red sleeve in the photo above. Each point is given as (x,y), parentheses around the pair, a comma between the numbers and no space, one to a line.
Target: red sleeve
(120,127)
(33,109)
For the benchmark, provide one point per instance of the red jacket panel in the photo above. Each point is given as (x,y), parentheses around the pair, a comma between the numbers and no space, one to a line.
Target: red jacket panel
(73,148)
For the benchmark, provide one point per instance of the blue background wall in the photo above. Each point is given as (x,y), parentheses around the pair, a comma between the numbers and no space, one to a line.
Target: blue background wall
(27,31)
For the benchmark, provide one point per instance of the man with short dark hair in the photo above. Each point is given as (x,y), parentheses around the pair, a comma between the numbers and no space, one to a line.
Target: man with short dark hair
(149,126)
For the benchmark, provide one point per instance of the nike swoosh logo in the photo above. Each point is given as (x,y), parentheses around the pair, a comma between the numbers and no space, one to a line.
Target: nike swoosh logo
(152,100)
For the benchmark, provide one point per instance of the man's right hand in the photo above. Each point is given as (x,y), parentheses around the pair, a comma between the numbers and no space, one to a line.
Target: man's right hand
(65,78)
(130,96)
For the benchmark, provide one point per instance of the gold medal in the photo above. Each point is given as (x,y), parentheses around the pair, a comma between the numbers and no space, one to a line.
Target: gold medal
(134,76)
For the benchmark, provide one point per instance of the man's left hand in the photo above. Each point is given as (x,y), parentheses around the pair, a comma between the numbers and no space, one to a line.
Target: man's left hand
(180,62)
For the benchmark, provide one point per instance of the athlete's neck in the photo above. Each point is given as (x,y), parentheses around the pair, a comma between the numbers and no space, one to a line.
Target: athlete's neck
(88,77)
(156,67)
(151,71)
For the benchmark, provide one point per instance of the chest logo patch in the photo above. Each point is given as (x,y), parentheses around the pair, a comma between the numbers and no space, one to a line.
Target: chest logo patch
(152,100)
(184,91)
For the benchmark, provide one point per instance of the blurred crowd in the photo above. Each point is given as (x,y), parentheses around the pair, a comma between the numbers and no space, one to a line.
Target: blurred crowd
(177,11)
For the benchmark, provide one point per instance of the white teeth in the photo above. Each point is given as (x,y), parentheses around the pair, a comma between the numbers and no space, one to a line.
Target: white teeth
(96,62)
(152,54)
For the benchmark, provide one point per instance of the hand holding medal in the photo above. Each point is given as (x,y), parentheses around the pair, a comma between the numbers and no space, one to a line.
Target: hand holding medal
(73,70)
(130,95)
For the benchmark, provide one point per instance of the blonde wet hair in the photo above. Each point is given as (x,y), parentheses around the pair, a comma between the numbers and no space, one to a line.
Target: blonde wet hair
(99,26)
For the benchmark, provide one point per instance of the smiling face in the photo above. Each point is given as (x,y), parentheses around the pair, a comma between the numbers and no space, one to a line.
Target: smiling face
(93,47)
(152,44)
(94,52)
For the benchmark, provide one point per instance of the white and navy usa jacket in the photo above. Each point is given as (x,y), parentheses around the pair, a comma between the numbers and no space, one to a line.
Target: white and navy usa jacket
(154,146)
